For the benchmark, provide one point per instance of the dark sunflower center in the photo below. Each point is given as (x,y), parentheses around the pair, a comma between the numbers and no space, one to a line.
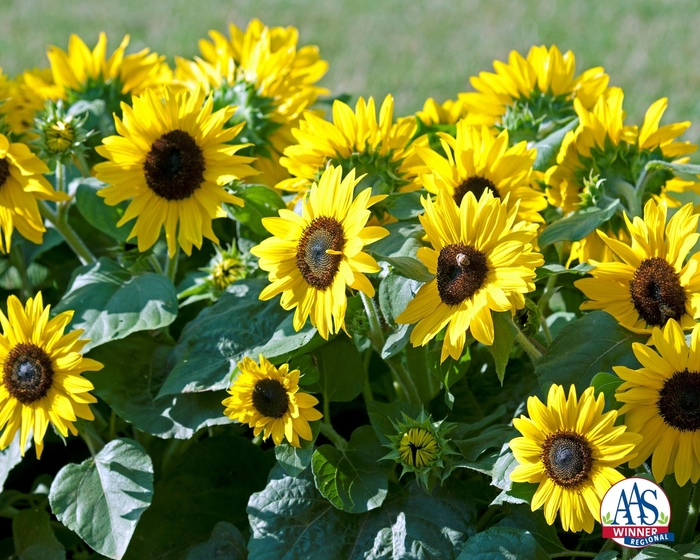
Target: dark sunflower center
(4,171)
(270,398)
(476,185)
(27,373)
(316,265)
(461,272)
(657,293)
(679,401)
(174,167)
(567,458)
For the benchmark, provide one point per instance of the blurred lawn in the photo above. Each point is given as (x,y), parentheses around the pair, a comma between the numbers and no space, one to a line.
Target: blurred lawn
(413,49)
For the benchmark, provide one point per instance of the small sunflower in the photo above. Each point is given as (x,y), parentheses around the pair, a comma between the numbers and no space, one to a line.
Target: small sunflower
(312,258)
(531,97)
(661,401)
(436,114)
(269,401)
(23,102)
(172,159)
(482,260)
(571,448)
(478,161)
(652,283)
(41,373)
(21,185)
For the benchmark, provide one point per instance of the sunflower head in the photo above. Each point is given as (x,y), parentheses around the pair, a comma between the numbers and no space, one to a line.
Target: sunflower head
(269,401)
(19,102)
(571,449)
(311,259)
(61,134)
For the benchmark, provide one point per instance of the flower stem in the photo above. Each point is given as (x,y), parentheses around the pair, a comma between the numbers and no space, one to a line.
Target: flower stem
(527,345)
(171,266)
(376,336)
(155,263)
(691,519)
(68,233)
(17,260)
(336,439)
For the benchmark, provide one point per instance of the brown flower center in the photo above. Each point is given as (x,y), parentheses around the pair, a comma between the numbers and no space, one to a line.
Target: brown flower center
(476,185)
(679,401)
(657,293)
(567,458)
(174,167)
(27,373)
(461,272)
(4,171)
(270,398)
(316,265)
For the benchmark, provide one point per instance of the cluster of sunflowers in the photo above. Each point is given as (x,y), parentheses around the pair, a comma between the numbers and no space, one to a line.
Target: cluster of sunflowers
(419,254)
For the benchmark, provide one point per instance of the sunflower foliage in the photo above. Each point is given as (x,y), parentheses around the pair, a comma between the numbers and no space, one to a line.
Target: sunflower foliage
(243,320)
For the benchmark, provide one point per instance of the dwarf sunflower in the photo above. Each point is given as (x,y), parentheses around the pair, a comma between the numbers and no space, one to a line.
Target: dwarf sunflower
(531,97)
(172,160)
(662,403)
(41,373)
(268,400)
(313,257)
(477,161)
(21,185)
(269,79)
(571,448)
(652,283)
(482,260)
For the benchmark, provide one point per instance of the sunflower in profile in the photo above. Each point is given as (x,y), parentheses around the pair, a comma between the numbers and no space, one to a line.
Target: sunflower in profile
(436,114)
(651,283)
(22,102)
(661,401)
(531,97)
(41,373)
(312,258)
(172,160)
(483,261)
(268,77)
(21,184)
(269,401)
(478,161)
(571,448)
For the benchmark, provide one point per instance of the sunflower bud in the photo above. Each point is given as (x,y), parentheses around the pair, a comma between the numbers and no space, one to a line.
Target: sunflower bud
(61,134)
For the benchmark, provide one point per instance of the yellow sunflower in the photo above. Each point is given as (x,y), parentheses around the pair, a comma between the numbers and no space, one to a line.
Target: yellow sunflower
(662,403)
(41,373)
(21,185)
(571,448)
(434,113)
(172,159)
(268,77)
(312,258)
(23,101)
(269,401)
(478,161)
(483,261)
(592,249)
(652,283)
(531,97)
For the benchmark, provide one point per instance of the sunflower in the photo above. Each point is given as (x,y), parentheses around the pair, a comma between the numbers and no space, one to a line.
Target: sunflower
(571,449)
(482,260)
(531,97)
(41,373)
(269,79)
(172,160)
(652,283)
(268,400)
(21,185)
(313,257)
(478,161)
(602,146)
(22,102)
(436,114)
(662,403)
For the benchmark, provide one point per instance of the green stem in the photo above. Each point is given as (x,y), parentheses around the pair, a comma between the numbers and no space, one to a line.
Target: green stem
(113,426)
(545,330)
(171,267)
(155,263)
(376,336)
(623,189)
(336,439)
(17,260)
(574,553)
(527,345)
(691,519)
(68,234)
(367,388)
(405,380)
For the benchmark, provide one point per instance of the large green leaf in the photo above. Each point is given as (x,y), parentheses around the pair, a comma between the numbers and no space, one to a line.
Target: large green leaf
(96,212)
(505,333)
(259,202)
(110,303)
(103,498)
(405,261)
(607,383)
(34,537)
(404,206)
(226,543)
(548,148)
(522,517)
(395,291)
(295,459)
(399,233)
(353,479)
(382,416)
(341,370)
(578,225)
(503,543)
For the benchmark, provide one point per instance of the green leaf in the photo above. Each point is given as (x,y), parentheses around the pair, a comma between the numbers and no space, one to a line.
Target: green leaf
(295,459)
(134,370)
(578,225)
(341,370)
(404,206)
(103,498)
(405,261)
(395,291)
(679,168)
(226,543)
(504,336)
(450,371)
(208,484)
(508,543)
(556,269)
(10,457)
(34,537)
(211,345)
(591,344)
(110,303)
(399,233)
(382,414)
(98,214)
(522,517)
(548,148)
(607,383)
(353,479)
(260,202)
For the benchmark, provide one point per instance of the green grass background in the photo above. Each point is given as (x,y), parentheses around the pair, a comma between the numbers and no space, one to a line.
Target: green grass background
(412,49)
